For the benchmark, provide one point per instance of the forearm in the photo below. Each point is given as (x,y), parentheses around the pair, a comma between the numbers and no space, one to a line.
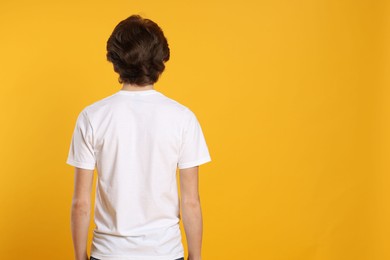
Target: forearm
(80,219)
(193,226)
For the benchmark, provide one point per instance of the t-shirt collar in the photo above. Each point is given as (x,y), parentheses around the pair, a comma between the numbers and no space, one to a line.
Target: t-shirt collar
(136,92)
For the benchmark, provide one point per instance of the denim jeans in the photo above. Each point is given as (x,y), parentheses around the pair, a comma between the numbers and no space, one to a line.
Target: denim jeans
(92,258)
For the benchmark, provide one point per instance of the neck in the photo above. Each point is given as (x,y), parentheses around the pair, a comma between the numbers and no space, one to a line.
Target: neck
(132,87)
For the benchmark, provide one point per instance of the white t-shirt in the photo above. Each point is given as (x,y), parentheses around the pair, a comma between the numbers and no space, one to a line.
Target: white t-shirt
(137,140)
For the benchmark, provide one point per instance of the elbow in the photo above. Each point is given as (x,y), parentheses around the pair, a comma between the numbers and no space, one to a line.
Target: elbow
(82,206)
(194,203)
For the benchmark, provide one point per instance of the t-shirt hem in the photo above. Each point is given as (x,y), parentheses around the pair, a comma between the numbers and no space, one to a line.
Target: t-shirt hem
(121,257)
(82,165)
(194,163)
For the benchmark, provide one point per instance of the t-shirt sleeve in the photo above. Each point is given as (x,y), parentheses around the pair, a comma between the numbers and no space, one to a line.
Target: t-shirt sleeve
(81,152)
(194,150)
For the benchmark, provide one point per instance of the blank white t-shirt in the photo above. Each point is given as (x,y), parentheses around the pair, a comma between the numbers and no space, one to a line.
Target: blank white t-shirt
(137,140)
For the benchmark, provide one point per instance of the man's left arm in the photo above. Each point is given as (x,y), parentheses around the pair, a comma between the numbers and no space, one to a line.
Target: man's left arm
(81,211)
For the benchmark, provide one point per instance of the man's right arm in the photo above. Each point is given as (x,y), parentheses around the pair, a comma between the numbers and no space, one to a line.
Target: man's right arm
(191,211)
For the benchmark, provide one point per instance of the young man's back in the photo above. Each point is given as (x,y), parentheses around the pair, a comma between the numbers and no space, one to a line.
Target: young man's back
(137,140)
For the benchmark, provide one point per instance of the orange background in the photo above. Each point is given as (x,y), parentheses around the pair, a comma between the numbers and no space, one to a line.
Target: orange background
(293,98)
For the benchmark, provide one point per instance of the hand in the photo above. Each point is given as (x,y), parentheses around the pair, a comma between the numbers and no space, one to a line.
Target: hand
(193,258)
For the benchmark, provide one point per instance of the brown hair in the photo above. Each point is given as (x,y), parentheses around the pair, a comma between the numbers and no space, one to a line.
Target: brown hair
(138,49)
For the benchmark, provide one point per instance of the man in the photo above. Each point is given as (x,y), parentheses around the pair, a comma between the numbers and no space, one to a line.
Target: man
(136,139)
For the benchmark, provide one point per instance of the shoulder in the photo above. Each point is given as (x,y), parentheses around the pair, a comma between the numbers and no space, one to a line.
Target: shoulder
(101,103)
(96,106)
(165,100)
(176,106)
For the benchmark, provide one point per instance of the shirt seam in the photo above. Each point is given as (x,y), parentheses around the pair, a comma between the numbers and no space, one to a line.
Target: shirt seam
(199,161)
(87,164)
(99,256)
(92,130)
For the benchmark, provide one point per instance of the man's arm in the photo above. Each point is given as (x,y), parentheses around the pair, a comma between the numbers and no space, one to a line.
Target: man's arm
(80,212)
(191,211)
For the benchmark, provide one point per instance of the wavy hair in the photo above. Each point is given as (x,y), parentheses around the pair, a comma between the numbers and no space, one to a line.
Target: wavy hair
(138,49)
